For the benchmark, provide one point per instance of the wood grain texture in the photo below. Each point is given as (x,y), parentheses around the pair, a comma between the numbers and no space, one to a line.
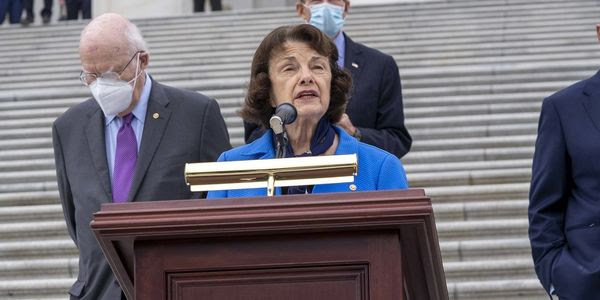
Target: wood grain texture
(303,243)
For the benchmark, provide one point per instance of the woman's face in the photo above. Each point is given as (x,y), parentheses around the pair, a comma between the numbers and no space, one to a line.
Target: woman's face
(301,76)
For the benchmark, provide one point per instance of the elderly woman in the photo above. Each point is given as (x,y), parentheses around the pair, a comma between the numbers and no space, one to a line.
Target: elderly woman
(297,64)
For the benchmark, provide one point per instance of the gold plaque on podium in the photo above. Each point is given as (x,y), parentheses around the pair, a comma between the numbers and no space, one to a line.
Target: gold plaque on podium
(271,173)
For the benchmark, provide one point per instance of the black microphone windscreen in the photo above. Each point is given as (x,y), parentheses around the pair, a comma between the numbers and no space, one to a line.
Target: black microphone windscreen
(287,112)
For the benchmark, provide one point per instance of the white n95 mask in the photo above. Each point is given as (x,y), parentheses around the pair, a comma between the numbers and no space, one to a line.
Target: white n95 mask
(114,95)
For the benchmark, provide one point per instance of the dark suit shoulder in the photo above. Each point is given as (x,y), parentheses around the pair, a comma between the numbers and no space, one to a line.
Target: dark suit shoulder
(374,55)
(573,92)
(185,97)
(77,113)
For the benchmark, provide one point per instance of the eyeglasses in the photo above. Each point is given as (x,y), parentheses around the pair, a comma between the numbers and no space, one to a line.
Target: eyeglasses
(89,78)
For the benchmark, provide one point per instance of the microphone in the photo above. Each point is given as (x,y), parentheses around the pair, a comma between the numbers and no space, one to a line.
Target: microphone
(285,113)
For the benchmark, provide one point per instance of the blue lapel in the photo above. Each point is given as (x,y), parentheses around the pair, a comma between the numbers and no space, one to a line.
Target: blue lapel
(592,101)
(261,148)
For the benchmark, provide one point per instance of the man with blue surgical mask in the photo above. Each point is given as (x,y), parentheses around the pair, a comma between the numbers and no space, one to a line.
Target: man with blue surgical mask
(375,113)
(328,16)
(129,142)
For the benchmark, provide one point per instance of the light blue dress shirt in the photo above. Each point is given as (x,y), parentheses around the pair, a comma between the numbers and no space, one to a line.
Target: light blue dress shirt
(340,43)
(112,124)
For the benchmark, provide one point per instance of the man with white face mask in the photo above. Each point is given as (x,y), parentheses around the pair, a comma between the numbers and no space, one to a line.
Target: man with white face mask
(129,142)
(375,113)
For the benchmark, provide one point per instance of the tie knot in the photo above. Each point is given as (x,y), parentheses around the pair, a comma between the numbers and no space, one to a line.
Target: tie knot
(127,118)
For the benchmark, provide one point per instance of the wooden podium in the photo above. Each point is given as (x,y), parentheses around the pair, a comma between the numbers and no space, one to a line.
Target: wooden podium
(368,245)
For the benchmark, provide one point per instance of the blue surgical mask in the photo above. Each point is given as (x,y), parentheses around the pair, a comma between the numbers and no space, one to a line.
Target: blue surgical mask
(327,17)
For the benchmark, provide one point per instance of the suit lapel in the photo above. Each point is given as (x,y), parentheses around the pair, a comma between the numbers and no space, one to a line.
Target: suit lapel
(261,148)
(353,61)
(95,136)
(592,101)
(154,128)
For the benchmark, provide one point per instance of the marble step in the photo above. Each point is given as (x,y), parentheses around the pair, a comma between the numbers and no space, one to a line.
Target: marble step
(163,72)
(42,268)
(21,154)
(33,230)
(495,130)
(472,230)
(451,15)
(39,132)
(529,289)
(495,119)
(457,211)
(44,212)
(388,40)
(34,289)
(462,155)
(481,210)
(494,142)
(28,197)
(59,247)
(416,168)
(474,143)
(33,187)
(477,193)
(26,165)
(469,177)
(487,270)
(485,249)
(421,59)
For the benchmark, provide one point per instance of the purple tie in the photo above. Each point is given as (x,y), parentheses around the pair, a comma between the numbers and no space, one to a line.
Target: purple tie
(125,159)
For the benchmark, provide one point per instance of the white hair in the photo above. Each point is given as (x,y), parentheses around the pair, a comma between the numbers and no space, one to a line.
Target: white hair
(130,31)
(135,38)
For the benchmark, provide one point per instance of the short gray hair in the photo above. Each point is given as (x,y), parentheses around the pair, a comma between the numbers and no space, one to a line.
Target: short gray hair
(135,38)
(133,35)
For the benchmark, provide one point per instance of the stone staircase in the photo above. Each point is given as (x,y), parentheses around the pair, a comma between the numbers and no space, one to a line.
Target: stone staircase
(474,73)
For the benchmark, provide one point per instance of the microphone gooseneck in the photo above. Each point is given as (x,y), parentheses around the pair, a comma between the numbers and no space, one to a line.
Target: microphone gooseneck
(285,113)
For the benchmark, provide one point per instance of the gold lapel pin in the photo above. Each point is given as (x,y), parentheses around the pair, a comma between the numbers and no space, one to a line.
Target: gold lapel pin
(355,65)
(353,187)
(155,115)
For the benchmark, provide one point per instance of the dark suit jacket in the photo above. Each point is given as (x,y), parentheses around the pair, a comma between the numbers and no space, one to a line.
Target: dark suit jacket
(375,104)
(564,209)
(189,128)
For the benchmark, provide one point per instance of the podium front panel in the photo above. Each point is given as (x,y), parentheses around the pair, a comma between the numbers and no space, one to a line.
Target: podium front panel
(366,245)
(344,265)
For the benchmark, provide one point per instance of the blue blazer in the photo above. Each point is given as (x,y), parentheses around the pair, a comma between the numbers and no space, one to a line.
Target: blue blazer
(377,169)
(564,209)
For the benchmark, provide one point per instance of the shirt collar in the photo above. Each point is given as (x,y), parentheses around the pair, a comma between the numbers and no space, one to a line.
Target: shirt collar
(139,111)
(348,144)
(262,147)
(340,43)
